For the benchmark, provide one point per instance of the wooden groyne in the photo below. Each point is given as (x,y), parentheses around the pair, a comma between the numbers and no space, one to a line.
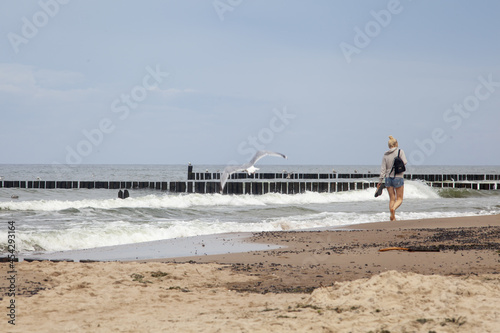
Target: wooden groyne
(261,183)
(240,186)
(326,176)
(114,185)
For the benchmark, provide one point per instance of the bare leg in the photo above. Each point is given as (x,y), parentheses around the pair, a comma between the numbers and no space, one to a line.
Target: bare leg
(392,202)
(399,197)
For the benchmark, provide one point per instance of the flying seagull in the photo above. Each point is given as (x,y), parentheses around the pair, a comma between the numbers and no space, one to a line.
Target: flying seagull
(248,167)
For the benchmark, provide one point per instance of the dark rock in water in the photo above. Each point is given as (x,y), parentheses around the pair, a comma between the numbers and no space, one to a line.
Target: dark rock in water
(34,259)
(7,259)
(125,194)
(120,194)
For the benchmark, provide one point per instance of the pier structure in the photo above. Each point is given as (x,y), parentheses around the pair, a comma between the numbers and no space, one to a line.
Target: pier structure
(262,183)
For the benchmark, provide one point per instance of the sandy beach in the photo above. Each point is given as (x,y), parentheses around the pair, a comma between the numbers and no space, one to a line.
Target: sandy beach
(443,277)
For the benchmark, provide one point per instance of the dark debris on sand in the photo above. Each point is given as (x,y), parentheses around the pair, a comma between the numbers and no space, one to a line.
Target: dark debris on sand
(460,239)
(24,288)
(320,267)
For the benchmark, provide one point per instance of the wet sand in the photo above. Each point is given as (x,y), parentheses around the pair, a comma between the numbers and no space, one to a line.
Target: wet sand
(324,281)
(467,245)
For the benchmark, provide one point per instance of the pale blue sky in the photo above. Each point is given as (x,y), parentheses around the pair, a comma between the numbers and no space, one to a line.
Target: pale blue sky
(324,82)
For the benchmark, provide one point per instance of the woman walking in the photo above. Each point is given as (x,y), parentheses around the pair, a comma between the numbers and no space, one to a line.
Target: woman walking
(394,181)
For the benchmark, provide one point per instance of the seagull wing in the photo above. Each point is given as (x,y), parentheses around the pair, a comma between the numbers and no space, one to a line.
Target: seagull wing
(228,171)
(236,168)
(261,153)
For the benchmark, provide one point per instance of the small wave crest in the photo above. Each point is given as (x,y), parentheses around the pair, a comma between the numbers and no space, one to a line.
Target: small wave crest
(99,234)
(88,236)
(413,190)
(458,193)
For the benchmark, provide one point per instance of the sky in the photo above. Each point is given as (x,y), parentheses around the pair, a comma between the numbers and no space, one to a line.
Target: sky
(212,81)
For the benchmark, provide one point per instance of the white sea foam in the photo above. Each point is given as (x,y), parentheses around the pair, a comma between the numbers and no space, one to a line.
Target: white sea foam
(413,190)
(63,219)
(58,225)
(87,237)
(100,234)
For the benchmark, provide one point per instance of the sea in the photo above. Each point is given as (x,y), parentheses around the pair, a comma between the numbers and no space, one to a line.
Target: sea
(51,220)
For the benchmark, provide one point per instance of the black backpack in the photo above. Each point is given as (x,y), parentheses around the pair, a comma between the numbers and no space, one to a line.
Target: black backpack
(398,166)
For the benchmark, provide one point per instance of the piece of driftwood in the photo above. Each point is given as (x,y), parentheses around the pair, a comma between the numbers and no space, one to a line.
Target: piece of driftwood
(411,249)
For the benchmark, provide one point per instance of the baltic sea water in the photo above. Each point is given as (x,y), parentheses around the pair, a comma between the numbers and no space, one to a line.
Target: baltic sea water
(50,220)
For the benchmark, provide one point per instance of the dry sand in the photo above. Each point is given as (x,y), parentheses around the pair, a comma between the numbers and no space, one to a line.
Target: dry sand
(324,281)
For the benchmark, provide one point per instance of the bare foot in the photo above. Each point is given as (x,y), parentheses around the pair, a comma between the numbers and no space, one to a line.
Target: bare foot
(393,215)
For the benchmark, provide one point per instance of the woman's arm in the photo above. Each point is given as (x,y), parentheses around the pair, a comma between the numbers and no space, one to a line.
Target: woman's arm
(383,170)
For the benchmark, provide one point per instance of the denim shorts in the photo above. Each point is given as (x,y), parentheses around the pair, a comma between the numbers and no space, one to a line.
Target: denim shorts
(394,182)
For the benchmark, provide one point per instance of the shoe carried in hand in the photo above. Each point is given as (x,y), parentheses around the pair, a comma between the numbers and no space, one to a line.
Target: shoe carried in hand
(380,189)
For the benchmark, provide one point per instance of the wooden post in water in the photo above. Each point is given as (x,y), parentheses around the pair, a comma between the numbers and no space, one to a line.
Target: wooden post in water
(190,175)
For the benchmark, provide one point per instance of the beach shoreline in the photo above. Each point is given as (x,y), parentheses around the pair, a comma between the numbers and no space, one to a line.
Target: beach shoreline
(232,242)
(323,280)
(468,245)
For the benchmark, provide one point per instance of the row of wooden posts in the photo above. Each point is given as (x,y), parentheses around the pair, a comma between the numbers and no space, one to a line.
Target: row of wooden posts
(236,187)
(325,176)
(261,183)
